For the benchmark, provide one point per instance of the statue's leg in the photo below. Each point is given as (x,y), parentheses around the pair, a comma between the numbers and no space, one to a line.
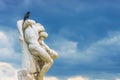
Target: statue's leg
(38,51)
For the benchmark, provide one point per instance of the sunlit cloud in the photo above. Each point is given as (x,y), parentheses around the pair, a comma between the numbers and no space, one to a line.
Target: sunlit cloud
(78,78)
(51,78)
(7,72)
(3,39)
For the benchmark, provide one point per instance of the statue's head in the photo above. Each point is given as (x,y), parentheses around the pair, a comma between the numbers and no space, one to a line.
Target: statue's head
(40,27)
(31,21)
(43,34)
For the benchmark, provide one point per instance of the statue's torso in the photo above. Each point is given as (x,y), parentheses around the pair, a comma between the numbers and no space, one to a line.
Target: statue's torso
(31,35)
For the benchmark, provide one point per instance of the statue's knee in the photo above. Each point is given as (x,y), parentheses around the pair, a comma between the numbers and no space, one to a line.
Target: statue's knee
(56,55)
(51,61)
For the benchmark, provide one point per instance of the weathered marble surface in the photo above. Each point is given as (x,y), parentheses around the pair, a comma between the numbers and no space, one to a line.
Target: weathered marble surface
(37,56)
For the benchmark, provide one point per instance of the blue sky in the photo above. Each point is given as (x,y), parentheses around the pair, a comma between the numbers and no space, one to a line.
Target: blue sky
(85,33)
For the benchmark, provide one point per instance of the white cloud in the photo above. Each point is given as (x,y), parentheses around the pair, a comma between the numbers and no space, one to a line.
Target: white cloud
(78,78)
(5,45)
(50,78)
(117,79)
(110,40)
(103,48)
(7,72)
(3,40)
(7,40)
(3,37)
(66,48)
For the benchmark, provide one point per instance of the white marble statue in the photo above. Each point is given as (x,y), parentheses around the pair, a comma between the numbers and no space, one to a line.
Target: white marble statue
(37,56)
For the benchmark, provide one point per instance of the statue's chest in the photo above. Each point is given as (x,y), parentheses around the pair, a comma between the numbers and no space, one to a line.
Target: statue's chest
(35,29)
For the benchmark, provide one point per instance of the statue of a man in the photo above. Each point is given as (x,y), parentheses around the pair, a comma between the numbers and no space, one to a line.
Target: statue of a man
(38,57)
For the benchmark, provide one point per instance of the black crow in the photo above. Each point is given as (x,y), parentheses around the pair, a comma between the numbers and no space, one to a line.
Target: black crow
(27,15)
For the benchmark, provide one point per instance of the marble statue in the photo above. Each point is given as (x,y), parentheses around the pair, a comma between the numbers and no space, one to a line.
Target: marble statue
(37,56)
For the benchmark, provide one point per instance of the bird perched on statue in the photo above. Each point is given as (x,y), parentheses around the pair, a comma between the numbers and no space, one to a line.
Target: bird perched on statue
(27,15)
